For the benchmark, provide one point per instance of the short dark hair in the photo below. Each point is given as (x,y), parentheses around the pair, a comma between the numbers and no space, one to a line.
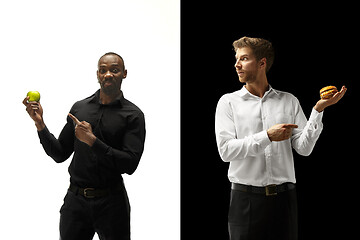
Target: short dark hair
(112,53)
(261,48)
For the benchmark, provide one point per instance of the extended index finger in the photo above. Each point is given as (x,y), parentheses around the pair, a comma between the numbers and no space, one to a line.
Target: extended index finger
(290,125)
(76,121)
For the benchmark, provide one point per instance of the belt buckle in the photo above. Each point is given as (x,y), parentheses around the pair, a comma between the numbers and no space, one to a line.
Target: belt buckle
(85,192)
(270,190)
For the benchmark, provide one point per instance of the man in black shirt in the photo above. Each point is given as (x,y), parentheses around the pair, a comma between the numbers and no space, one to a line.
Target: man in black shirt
(106,133)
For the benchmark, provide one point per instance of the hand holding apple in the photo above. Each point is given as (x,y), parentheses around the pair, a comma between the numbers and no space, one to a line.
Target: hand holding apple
(35,111)
(34,96)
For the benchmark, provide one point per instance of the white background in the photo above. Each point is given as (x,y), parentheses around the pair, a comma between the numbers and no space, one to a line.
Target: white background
(53,47)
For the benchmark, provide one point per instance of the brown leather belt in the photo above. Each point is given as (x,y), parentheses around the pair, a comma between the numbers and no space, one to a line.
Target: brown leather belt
(269,190)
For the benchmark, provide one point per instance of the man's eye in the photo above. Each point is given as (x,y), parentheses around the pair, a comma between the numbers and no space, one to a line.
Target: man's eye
(102,71)
(244,59)
(115,70)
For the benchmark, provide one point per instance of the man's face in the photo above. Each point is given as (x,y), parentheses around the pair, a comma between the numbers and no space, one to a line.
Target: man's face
(246,65)
(110,74)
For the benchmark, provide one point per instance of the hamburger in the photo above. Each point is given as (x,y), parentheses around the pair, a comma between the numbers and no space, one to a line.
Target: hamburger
(328,92)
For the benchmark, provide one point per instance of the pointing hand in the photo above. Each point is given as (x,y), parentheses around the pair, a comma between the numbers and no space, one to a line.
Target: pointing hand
(280,132)
(83,131)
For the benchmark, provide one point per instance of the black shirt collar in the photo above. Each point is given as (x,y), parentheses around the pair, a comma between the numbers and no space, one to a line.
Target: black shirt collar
(96,98)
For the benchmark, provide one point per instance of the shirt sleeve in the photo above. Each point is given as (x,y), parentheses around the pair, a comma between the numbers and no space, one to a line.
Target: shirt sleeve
(305,136)
(58,149)
(126,159)
(229,146)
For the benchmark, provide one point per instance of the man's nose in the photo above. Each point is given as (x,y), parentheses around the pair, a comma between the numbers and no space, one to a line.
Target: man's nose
(238,64)
(108,75)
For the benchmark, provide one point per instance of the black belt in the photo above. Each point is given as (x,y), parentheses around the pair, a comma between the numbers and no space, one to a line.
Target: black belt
(269,190)
(94,192)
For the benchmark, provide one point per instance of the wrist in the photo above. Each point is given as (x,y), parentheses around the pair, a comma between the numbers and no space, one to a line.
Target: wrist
(319,108)
(269,135)
(40,125)
(91,140)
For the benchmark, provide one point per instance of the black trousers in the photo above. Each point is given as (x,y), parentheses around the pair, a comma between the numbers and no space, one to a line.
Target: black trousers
(108,216)
(254,216)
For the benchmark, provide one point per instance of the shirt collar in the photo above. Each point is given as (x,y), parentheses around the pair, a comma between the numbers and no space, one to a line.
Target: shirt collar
(96,98)
(274,90)
(244,93)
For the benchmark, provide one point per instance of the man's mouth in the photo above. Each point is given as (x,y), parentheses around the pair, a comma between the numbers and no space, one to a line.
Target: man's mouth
(108,83)
(240,73)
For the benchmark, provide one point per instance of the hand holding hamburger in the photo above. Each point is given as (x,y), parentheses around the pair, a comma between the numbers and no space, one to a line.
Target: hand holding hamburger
(328,92)
(329,95)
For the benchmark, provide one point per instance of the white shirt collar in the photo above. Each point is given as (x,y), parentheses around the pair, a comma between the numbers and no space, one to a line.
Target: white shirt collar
(245,93)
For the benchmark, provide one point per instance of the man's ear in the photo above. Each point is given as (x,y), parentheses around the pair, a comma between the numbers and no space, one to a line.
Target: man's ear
(125,73)
(263,63)
(97,75)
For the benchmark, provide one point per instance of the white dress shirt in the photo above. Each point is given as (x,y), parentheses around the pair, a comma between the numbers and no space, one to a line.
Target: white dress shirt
(241,123)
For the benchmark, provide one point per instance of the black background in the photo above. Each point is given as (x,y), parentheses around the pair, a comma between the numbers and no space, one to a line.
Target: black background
(315,46)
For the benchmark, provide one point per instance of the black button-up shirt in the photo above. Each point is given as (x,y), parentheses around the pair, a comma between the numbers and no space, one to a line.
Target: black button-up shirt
(120,131)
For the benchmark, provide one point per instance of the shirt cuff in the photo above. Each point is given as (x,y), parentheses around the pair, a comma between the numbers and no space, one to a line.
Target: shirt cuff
(262,138)
(316,116)
(44,133)
(99,147)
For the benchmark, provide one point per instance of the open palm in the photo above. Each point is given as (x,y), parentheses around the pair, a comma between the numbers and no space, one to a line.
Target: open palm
(323,103)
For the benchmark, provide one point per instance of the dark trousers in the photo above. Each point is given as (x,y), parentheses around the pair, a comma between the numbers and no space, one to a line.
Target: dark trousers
(254,216)
(108,216)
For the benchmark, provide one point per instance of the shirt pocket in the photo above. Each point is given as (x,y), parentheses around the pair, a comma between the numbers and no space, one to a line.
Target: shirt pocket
(282,117)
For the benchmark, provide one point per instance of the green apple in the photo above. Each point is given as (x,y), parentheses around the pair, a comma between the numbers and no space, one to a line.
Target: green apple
(34,96)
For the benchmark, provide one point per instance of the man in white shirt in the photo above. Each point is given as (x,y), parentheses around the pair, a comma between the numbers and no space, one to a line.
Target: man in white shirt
(256,128)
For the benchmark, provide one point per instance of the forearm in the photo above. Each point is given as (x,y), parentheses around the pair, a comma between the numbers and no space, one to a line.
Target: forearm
(231,145)
(304,140)
(58,149)
(121,160)
(40,126)
(124,157)
(231,149)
